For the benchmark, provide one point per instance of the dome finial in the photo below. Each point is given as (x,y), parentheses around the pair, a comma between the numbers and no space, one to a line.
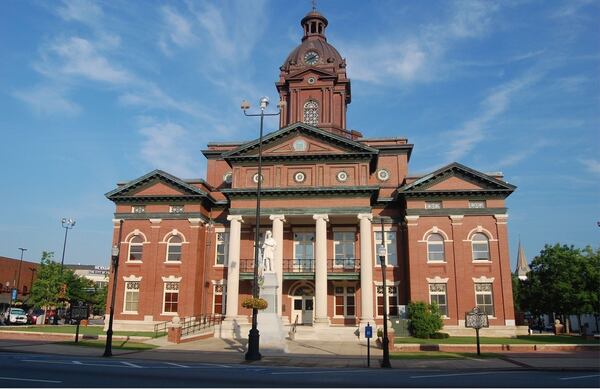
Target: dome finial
(314,5)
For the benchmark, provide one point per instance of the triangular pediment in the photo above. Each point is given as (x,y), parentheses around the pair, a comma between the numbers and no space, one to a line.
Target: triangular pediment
(317,72)
(456,177)
(311,140)
(156,184)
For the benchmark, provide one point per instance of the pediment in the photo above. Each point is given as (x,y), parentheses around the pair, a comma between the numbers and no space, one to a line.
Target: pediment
(318,72)
(457,178)
(155,184)
(317,141)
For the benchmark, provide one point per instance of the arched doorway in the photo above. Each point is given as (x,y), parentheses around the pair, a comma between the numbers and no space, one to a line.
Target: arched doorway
(302,297)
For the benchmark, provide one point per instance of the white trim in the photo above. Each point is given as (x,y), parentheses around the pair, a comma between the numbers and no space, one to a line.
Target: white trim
(155,221)
(435,230)
(386,228)
(334,241)
(483,279)
(437,280)
(387,284)
(133,233)
(345,285)
(411,220)
(174,232)
(171,278)
(132,278)
(480,229)
(221,230)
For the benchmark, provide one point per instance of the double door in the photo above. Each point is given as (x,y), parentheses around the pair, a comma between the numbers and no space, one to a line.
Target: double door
(303,309)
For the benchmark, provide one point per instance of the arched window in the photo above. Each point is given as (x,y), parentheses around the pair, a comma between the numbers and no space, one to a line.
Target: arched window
(174,248)
(311,112)
(481,247)
(435,248)
(136,248)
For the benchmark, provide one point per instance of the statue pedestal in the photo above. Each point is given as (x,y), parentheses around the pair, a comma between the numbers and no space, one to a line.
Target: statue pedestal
(272,335)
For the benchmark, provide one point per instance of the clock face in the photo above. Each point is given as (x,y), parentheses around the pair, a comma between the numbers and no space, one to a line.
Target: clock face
(311,57)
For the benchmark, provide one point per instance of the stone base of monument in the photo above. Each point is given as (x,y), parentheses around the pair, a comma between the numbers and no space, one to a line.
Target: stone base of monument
(272,333)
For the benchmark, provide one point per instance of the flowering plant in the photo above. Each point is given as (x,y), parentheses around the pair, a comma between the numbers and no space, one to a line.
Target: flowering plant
(253,303)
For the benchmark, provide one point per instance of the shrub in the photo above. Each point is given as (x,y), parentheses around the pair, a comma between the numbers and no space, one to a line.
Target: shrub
(257,303)
(439,335)
(380,332)
(425,319)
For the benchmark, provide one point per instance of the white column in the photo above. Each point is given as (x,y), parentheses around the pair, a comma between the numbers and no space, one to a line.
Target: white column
(366,269)
(321,269)
(278,221)
(233,266)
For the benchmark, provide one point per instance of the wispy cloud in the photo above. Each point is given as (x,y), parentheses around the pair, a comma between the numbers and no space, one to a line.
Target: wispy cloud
(48,100)
(162,148)
(83,11)
(473,131)
(592,165)
(177,30)
(513,156)
(418,57)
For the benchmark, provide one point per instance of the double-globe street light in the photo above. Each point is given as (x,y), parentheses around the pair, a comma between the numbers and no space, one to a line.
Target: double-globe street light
(115,268)
(253,353)
(381,252)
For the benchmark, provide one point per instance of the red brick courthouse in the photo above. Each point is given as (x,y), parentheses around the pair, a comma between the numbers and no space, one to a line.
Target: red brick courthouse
(330,196)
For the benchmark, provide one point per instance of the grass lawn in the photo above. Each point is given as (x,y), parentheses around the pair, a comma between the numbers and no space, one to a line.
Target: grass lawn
(70,329)
(117,345)
(522,339)
(439,355)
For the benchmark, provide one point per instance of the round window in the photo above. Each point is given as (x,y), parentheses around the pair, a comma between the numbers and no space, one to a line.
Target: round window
(227,177)
(312,80)
(299,145)
(342,176)
(255,178)
(299,177)
(383,175)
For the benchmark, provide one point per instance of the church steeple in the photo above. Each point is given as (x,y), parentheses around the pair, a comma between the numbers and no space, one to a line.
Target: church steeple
(313,81)
(522,265)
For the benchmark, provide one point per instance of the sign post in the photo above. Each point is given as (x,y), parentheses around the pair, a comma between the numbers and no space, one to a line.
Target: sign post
(79,313)
(368,335)
(477,320)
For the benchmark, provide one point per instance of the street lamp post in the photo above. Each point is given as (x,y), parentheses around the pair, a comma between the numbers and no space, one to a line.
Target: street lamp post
(253,353)
(381,251)
(67,225)
(19,271)
(115,267)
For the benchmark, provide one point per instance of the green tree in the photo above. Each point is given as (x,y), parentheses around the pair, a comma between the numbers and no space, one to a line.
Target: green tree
(99,300)
(563,280)
(425,319)
(54,288)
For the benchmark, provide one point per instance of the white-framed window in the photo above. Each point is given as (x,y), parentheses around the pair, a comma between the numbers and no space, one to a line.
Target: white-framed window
(480,246)
(391,258)
(345,301)
(219,299)
(343,248)
(136,248)
(174,248)
(176,209)
(304,251)
(484,298)
(476,203)
(392,295)
(132,296)
(433,205)
(435,248)
(171,297)
(138,209)
(222,248)
(311,112)
(438,294)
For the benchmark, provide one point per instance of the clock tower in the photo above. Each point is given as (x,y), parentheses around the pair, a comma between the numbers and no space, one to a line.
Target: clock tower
(313,81)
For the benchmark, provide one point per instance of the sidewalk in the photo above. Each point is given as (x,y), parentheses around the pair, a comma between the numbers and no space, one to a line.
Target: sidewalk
(314,354)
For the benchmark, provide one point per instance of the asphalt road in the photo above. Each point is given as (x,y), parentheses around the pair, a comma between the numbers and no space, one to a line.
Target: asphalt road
(35,370)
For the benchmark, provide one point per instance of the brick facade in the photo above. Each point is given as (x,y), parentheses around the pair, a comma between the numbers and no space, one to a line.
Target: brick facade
(326,193)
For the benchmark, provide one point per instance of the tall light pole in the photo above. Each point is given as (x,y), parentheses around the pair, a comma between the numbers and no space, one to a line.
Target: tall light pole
(67,225)
(19,272)
(253,353)
(115,268)
(381,252)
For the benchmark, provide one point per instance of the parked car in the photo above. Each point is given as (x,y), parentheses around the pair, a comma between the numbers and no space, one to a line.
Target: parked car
(32,317)
(16,316)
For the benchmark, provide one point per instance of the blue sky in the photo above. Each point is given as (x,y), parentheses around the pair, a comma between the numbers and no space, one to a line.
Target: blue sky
(92,93)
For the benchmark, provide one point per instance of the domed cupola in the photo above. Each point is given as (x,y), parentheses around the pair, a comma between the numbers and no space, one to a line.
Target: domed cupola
(313,80)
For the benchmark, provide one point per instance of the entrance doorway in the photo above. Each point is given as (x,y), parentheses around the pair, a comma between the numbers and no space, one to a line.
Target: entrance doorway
(303,305)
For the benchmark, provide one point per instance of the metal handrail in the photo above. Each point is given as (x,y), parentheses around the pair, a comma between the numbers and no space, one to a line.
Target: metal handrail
(193,324)
(160,329)
(293,329)
(345,265)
